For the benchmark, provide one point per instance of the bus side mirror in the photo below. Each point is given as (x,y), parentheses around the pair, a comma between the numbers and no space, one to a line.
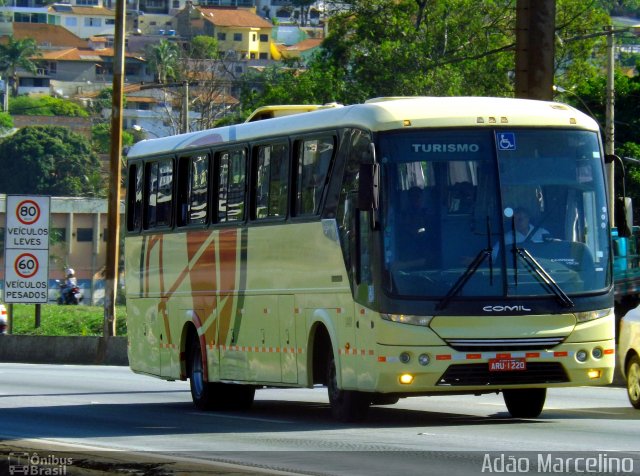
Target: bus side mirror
(623,216)
(368,190)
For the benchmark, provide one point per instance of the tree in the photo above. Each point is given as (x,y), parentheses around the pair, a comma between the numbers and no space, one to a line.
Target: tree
(48,160)
(163,58)
(15,54)
(101,138)
(203,47)
(104,100)
(425,47)
(6,123)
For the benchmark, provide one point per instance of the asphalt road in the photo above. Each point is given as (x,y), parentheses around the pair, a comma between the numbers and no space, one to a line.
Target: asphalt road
(108,420)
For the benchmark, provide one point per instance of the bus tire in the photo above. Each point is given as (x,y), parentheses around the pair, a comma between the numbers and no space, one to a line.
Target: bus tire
(202,392)
(633,381)
(237,397)
(384,399)
(346,405)
(525,402)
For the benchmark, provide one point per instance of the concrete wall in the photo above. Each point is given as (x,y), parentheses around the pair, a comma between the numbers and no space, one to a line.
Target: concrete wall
(83,350)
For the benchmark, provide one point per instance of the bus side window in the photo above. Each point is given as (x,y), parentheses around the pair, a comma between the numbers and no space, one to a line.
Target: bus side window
(134,197)
(272,181)
(193,190)
(159,190)
(232,184)
(313,158)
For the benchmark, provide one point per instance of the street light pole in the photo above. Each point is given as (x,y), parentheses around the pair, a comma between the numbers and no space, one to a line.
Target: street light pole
(609,129)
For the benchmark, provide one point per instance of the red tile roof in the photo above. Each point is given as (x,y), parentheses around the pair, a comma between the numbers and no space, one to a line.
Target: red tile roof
(234,17)
(47,35)
(81,54)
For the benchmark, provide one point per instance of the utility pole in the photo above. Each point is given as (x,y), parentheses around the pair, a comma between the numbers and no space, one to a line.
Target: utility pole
(609,127)
(115,150)
(185,108)
(535,48)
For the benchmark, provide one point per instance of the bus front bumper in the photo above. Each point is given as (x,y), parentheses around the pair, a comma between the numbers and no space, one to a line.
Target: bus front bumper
(428,370)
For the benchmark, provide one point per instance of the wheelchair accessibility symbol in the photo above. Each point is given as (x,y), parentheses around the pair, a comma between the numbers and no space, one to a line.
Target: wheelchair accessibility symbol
(506,141)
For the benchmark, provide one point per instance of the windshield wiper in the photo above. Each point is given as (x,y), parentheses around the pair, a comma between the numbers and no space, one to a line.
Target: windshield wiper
(471,269)
(545,277)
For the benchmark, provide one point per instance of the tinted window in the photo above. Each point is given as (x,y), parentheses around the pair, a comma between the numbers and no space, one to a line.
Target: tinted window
(272,181)
(232,182)
(314,157)
(134,201)
(159,189)
(193,196)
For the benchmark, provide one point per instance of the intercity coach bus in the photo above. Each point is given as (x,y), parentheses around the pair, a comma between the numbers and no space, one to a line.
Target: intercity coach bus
(400,247)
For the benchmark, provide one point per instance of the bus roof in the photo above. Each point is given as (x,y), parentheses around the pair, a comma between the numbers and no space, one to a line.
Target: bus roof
(384,114)
(270,112)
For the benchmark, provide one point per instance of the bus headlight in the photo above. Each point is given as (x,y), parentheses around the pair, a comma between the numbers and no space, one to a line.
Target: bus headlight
(592,315)
(408,319)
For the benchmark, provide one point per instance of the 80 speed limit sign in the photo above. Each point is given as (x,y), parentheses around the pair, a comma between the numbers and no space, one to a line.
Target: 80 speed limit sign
(26,260)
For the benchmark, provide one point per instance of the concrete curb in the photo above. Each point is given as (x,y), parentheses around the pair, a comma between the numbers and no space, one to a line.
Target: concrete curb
(82,350)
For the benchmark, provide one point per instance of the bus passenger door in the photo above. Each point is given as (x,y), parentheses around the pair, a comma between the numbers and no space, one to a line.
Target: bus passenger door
(288,348)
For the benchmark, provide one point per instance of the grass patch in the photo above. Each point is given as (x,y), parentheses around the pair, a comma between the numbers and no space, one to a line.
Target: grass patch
(56,320)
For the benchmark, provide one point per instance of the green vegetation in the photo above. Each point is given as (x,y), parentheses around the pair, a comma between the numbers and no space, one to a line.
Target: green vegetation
(49,160)
(58,320)
(45,106)
(6,122)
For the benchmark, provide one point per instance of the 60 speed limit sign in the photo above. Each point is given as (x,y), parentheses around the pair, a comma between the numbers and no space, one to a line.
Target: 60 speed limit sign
(26,260)
(26,276)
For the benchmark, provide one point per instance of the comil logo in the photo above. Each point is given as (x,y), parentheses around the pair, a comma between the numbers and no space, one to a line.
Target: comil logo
(501,308)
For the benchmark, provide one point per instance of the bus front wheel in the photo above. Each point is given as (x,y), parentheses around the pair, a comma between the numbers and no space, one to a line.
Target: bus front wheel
(346,405)
(525,402)
(633,381)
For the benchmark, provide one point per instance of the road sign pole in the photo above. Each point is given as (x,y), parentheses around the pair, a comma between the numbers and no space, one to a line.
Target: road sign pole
(38,315)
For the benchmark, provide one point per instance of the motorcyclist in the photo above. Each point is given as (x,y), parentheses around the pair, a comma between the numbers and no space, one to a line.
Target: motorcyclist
(70,282)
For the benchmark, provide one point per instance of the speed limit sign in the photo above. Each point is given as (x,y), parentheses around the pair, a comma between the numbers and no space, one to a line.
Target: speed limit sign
(26,258)
(26,276)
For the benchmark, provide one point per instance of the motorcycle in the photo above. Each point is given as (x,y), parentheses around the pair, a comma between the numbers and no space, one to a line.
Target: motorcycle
(69,295)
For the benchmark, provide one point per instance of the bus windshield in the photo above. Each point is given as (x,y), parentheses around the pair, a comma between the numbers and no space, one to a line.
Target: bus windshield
(518,212)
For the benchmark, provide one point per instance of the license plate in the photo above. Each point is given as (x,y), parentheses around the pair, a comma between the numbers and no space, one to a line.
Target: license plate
(507,365)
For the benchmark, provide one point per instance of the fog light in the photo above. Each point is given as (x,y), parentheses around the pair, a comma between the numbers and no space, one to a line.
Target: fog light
(424,359)
(582,355)
(405,357)
(593,374)
(406,379)
(597,353)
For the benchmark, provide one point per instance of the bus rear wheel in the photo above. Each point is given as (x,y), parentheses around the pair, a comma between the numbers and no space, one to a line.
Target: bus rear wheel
(346,405)
(525,402)
(201,390)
